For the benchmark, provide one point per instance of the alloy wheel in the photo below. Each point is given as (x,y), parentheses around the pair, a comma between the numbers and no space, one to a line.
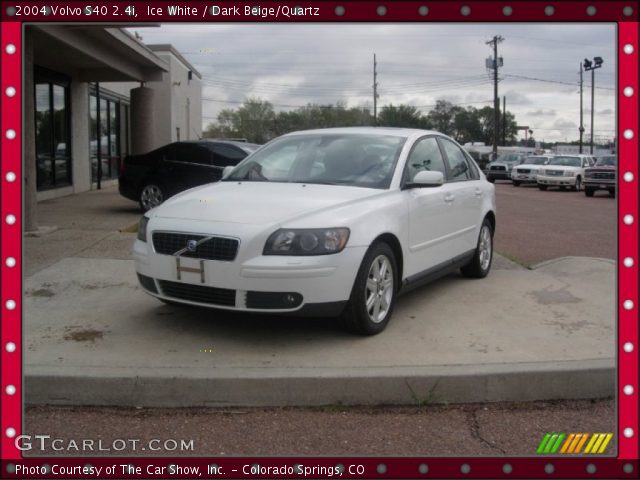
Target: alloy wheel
(379,289)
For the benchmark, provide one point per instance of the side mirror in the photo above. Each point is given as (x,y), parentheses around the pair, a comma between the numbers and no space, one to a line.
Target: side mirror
(227,170)
(426,179)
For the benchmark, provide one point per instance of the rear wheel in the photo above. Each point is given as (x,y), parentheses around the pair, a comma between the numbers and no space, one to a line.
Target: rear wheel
(374,292)
(480,264)
(516,183)
(151,196)
(542,187)
(492,180)
(589,191)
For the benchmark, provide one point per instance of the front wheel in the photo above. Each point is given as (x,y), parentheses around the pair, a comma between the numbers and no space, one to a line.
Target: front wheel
(516,183)
(492,180)
(374,292)
(588,192)
(480,264)
(542,187)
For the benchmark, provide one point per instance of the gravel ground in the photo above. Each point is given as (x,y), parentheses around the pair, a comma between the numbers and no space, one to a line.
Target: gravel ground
(511,429)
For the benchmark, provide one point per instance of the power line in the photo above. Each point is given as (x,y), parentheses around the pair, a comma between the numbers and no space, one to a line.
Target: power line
(551,81)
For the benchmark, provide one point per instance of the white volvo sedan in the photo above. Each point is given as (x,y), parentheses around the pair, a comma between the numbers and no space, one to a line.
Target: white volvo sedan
(333,222)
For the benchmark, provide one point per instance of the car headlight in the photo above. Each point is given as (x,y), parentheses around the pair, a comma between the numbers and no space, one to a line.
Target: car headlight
(569,173)
(306,241)
(142,229)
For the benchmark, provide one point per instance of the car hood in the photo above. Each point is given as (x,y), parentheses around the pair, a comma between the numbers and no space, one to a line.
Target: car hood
(258,203)
(530,166)
(561,167)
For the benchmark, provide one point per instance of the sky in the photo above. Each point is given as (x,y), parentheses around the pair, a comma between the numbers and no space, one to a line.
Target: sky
(291,65)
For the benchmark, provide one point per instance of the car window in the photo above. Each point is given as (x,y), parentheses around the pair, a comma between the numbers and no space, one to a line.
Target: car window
(458,166)
(225,155)
(425,155)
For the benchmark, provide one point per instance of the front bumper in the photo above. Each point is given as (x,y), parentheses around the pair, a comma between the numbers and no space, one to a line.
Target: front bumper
(498,174)
(557,181)
(599,183)
(524,177)
(315,285)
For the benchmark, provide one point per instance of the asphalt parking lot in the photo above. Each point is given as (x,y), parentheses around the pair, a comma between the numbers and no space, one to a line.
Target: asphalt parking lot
(534,226)
(96,228)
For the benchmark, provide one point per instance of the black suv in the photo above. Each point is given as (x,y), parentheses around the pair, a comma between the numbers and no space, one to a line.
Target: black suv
(153,177)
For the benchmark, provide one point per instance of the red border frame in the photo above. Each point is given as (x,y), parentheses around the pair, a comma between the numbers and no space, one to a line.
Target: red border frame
(522,11)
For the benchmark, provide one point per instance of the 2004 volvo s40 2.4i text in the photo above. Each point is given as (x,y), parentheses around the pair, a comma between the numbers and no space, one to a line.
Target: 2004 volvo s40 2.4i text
(332,222)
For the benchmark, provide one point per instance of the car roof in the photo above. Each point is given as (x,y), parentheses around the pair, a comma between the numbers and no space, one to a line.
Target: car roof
(208,141)
(392,131)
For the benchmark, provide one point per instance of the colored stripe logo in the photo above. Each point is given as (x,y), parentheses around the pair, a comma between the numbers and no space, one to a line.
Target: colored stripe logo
(574,443)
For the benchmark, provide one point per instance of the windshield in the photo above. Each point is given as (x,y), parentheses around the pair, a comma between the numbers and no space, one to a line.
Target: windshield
(606,161)
(510,158)
(536,160)
(566,161)
(334,159)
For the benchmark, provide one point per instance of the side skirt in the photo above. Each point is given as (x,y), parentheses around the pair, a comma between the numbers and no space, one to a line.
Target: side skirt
(434,273)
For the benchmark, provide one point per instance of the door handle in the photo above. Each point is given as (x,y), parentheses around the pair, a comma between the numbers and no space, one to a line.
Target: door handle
(449,198)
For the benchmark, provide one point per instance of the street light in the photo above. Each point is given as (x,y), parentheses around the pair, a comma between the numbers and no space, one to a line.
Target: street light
(589,65)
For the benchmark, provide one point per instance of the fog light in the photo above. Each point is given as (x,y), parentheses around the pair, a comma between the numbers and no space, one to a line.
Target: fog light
(290,298)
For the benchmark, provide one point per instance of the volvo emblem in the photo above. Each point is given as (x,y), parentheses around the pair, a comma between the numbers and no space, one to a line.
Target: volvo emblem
(192,245)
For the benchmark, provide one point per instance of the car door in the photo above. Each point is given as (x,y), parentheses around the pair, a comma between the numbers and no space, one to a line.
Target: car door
(433,212)
(468,193)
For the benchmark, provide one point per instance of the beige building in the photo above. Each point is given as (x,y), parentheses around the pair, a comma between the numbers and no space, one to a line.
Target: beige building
(99,94)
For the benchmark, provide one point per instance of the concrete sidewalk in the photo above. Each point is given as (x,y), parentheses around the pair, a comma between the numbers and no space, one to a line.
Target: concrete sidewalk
(92,337)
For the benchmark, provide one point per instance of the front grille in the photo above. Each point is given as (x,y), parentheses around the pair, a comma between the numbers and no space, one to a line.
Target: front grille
(498,167)
(147,283)
(523,170)
(603,175)
(216,248)
(554,173)
(275,300)
(198,293)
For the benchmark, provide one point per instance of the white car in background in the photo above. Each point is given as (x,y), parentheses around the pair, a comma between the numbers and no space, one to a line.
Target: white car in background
(331,222)
(564,171)
(527,172)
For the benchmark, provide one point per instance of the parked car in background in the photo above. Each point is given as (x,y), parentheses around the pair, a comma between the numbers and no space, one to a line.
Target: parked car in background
(564,171)
(500,169)
(527,172)
(602,176)
(153,177)
(332,222)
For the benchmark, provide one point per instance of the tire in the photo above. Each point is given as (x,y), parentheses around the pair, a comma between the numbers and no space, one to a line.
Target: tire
(542,187)
(588,192)
(516,184)
(578,186)
(612,193)
(492,180)
(480,264)
(151,196)
(358,316)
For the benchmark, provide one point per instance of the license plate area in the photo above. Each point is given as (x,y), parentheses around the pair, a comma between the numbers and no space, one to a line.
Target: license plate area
(181,268)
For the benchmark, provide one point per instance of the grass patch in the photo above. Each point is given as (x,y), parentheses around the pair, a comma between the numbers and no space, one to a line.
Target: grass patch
(514,259)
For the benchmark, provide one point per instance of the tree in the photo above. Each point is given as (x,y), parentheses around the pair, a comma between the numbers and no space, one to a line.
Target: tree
(405,116)
(441,117)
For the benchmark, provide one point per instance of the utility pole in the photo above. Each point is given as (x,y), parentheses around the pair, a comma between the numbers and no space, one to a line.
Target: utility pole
(581,124)
(593,80)
(375,92)
(496,63)
(589,65)
(504,120)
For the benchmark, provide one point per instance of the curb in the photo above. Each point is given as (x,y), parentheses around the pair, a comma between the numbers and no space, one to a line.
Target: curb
(314,387)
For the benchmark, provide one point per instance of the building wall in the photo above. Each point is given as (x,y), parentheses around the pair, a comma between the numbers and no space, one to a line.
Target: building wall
(184,111)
